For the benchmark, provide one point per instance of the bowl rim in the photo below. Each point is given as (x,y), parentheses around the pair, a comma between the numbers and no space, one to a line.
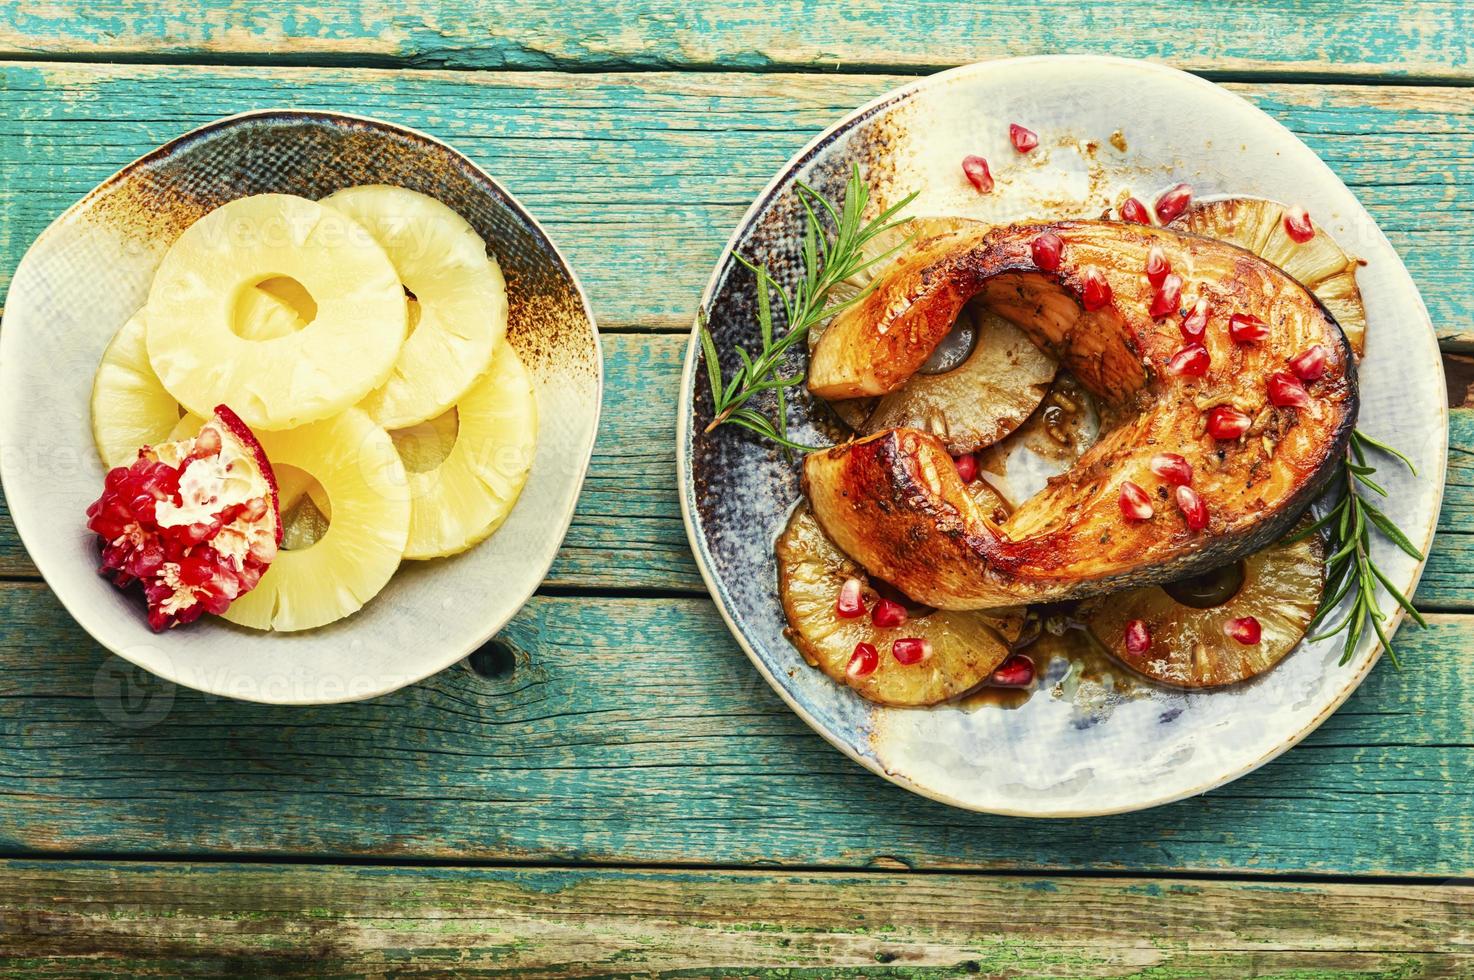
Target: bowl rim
(565,513)
(684,438)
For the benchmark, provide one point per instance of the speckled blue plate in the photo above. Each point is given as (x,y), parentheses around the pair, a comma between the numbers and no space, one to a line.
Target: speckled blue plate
(1106,125)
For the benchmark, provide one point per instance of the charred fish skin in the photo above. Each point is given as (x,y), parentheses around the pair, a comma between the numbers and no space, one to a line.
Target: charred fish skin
(889,499)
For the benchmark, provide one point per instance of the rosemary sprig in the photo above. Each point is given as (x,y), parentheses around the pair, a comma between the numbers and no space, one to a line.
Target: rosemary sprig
(1349,568)
(828,260)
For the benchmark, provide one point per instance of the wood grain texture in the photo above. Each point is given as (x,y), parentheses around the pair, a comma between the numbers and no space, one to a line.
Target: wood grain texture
(642,177)
(74,919)
(634,731)
(1314,37)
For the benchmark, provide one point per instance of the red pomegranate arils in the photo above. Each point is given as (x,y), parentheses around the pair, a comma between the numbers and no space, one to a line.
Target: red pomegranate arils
(1172,468)
(1309,364)
(1227,423)
(1134,210)
(1023,139)
(1286,391)
(1168,298)
(967,467)
(1095,292)
(888,613)
(1047,249)
(1135,504)
(1191,361)
(1194,511)
(1138,638)
(1196,322)
(1246,328)
(1297,224)
(1157,265)
(1244,629)
(911,650)
(976,169)
(1174,202)
(851,601)
(863,661)
(1016,671)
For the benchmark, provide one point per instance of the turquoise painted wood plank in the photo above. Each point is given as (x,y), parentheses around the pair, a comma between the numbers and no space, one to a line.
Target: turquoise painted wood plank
(83,918)
(633,731)
(1315,37)
(641,177)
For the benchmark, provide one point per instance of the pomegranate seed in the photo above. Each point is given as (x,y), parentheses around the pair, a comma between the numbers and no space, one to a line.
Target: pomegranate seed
(863,661)
(1168,296)
(967,467)
(850,604)
(1023,139)
(1047,249)
(1310,363)
(1016,671)
(911,650)
(1194,511)
(207,443)
(1135,504)
(1191,361)
(1196,321)
(1244,629)
(1286,391)
(1134,210)
(1174,202)
(1246,328)
(976,169)
(1157,265)
(1095,291)
(1172,468)
(1138,638)
(888,613)
(1297,224)
(1227,423)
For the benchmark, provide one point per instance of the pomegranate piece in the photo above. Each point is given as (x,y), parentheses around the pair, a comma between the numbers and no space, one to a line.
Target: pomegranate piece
(888,613)
(1174,202)
(1191,361)
(1297,224)
(967,467)
(1134,210)
(1022,139)
(1016,671)
(1194,511)
(1157,265)
(1309,364)
(1135,504)
(1196,322)
(1168,296)
(851,601)
(1246,328)
(1138,637)
(1286,391)
(195,522)
(1226,422)
(863,661)
(1047,249)
(1095,292)
(1172,468)
(911,650)
(976,169)
(1245,630)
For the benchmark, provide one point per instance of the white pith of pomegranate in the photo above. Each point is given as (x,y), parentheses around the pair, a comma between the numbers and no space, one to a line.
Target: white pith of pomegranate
(194,522)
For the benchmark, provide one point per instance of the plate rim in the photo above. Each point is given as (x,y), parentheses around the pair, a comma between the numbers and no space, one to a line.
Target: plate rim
(684,435)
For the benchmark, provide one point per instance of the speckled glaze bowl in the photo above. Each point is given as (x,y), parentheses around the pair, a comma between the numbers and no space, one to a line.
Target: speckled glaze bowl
(1106,126)
(91,269)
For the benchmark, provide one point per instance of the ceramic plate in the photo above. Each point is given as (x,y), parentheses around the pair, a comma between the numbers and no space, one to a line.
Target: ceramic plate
(1106,126)
(91,269)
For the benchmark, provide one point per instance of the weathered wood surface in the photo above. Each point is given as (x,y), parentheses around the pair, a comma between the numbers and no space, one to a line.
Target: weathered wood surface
(72,919)
(642,177)
(1318,38)
(635,731)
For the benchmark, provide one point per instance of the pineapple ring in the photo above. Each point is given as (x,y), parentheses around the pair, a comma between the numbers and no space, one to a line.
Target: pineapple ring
(459,290)
(461,500)
(347,350)
(355,462)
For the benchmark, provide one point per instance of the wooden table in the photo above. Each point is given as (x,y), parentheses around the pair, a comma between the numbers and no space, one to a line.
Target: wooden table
(615,790)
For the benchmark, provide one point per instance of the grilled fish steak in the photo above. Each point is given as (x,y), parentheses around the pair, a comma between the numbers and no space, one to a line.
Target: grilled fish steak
(895,503)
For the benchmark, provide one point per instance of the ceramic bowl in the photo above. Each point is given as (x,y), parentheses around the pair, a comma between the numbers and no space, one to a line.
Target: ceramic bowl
(1107,127)
(91,269)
